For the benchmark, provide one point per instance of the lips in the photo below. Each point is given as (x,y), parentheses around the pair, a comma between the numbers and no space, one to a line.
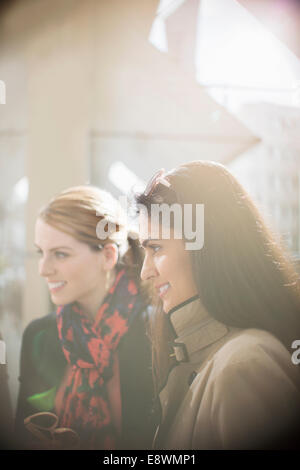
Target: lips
(56,286)
(162,289)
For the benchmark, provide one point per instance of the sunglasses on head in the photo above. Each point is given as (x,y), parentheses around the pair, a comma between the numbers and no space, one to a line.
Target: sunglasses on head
(157,178)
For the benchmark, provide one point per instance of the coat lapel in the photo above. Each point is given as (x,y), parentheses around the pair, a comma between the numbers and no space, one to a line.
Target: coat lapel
(197,333)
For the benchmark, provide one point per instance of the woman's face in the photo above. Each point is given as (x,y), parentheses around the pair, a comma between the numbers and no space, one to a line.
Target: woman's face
(168,266)
(73,271)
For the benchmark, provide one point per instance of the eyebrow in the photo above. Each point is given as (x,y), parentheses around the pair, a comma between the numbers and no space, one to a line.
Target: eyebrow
(55,248)
(146,242)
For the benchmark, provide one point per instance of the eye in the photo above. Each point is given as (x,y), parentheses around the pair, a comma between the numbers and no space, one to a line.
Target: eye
(39,252)
(155,248)
(61,254)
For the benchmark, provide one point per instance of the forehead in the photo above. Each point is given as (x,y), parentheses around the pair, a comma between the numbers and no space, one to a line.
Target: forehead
(151,229)
(47,236)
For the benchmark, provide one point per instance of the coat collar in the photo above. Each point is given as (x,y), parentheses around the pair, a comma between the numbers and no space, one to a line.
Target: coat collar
(194,329)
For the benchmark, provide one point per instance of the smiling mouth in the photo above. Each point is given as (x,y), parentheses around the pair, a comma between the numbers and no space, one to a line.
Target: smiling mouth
(56,286)
(163,289)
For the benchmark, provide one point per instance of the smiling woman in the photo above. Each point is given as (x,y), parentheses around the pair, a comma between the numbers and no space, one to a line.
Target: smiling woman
(71,269)
(226,320)
(167,264)
(89,362)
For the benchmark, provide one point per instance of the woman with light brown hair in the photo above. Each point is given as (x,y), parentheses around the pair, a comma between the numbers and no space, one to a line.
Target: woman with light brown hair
(88,363)
(229,315)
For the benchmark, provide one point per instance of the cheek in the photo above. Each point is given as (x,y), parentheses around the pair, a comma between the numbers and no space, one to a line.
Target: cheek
(186,265)
(180,268)
(89,272)
(186,274)
(71,270)
(185,261)
(161,263)
(167,266)
(81,270)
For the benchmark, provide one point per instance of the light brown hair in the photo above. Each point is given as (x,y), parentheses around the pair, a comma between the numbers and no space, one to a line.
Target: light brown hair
(77,211)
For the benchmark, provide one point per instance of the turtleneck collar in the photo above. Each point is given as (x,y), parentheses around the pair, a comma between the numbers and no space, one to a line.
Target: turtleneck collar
(194,328)
(182,304)
(187,314)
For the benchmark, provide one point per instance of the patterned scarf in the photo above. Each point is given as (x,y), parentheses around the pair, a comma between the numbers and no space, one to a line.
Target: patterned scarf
(89,348)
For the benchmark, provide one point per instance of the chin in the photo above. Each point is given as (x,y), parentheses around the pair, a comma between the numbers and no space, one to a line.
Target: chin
(56,300)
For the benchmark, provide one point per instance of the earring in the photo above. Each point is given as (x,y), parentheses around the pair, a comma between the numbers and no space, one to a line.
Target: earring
(107,280)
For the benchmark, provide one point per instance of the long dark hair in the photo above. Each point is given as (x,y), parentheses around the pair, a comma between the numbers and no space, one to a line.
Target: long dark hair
(244,277)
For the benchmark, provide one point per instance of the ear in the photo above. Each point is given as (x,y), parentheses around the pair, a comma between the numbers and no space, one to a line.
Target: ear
(110,256)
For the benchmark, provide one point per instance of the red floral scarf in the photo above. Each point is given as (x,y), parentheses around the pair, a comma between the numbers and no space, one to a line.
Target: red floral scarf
(89,348)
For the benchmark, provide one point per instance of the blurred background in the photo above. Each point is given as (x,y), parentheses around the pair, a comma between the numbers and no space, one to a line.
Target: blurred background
(108,91)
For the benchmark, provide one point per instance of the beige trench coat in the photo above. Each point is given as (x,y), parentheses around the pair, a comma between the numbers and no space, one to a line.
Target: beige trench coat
(231,389)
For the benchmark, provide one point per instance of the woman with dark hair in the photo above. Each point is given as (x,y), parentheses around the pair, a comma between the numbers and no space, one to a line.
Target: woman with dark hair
(86,368)
(229,313)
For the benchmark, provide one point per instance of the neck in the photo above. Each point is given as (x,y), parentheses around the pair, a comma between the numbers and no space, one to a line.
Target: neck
(93,301)
(91,306)
(182,304)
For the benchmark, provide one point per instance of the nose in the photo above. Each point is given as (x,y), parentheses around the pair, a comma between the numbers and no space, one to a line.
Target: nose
(148,269)
(46,267)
